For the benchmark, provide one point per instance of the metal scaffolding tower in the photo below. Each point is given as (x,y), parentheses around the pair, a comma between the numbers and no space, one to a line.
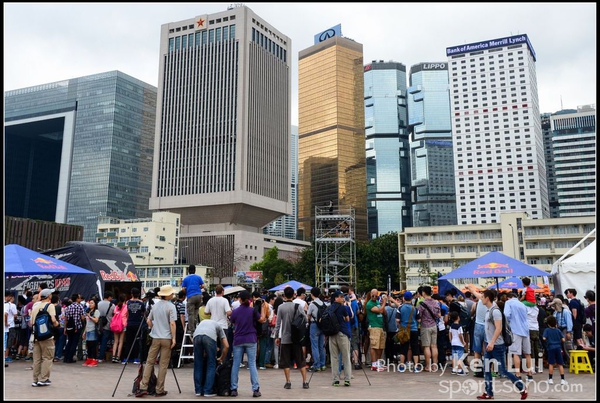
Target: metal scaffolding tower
(335,247)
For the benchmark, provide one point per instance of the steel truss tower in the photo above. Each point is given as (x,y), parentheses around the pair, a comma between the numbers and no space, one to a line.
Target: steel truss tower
(335,247)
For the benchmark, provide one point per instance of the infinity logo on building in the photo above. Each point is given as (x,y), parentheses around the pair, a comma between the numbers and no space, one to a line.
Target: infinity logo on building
(328,33)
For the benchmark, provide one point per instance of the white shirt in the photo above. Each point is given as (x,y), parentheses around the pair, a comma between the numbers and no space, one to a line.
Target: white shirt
(218,307)
(11,310)
(300,302)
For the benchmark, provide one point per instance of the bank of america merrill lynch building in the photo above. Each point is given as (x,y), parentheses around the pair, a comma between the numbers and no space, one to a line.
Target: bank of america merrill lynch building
(222,145)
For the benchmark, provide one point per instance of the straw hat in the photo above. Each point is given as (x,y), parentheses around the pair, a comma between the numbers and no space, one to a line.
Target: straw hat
(557,304)
(166,291)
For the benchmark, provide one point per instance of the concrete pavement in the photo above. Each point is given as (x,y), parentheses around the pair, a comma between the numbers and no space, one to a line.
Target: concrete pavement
(75,382)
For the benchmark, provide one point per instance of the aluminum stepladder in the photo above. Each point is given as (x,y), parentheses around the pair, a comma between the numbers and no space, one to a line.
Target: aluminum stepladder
(189,345)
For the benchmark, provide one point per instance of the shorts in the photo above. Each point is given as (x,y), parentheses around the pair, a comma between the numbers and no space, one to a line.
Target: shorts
(520,345)
(429,336)
(291,352)
(478,338)
(377,338)
(555,357)
(457,352)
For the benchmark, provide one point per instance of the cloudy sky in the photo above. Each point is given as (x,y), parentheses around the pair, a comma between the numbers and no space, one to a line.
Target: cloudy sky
(48,42)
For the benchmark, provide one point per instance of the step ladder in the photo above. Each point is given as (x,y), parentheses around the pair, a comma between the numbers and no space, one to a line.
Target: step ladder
(187,346)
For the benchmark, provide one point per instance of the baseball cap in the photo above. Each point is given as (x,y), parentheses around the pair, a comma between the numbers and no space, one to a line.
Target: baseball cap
(245,295)
(46,292)
(337,294)
(408,295)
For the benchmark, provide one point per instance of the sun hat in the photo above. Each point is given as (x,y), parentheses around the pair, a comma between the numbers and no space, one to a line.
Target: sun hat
(166,290)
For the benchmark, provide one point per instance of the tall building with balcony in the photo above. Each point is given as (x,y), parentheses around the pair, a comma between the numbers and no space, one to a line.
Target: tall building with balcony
(79,149)
(387,148)
(571,146)
(331,145)
(433,195)
(222,144)
(499,160)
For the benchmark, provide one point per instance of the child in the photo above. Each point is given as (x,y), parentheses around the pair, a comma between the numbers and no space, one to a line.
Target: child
(529,297)
(458,344)
(554,341)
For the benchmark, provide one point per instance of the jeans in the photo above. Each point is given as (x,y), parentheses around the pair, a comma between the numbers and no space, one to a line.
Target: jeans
(269,350)
(238,354)
(263,340)
(317,344)
(71,348)
(203,383)
(105,337)
(60,344)
(498,354)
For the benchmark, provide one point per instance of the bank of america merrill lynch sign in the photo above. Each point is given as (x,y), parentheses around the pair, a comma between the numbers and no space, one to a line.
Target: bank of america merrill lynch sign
(493,43)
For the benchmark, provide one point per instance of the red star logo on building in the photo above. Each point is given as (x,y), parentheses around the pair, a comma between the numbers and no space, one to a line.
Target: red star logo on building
(200,22)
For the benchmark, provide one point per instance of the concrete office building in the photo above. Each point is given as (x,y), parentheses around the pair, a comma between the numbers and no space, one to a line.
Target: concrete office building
(432,166)
(498,146)
(222,144)
(287,226)
(539,242)
(570,146)
(387,148)
(79,149)
(331,145)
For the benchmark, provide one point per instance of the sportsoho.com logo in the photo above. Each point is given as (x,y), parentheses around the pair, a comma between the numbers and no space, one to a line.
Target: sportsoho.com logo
(458,388)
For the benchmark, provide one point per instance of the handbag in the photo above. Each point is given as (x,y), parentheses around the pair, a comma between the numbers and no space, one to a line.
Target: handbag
(403,335)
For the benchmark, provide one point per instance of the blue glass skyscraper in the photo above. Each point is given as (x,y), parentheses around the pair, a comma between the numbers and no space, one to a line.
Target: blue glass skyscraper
(387,148)
(80,148)
(432,189)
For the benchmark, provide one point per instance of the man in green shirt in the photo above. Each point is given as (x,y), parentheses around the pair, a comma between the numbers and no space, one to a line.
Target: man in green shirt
(375,310)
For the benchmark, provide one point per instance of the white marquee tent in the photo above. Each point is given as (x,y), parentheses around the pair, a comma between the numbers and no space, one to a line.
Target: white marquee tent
(577,271)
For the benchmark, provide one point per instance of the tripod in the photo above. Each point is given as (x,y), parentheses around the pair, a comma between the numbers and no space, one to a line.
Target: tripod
(136,339)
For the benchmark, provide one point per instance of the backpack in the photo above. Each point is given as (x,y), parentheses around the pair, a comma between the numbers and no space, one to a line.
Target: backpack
(262,329)
(463,313)
(42,327)
(507,334)
(103,320)
(361,313)
(320,310)
(222,385)
(298,326)
(581,313)
(116,323)
(138,380)
(330,325)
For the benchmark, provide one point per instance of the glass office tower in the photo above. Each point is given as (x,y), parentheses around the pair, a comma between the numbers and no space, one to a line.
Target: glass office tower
(387,148)
(79,149)
(331,148)
(432,190)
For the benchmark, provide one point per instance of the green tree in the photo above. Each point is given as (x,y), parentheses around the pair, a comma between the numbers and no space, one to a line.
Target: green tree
(272,266)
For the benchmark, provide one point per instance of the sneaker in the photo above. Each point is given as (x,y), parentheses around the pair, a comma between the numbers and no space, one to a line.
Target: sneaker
(462,373)
(288,385)
(305,385)
(374,367)
(550,382)
(100,361)
(93,363)
(295,366)
(269,365)
(256,393)
(29,358)
(313,369)
(262,367)
(323,368)
(87,362)
(233,393)
(381,369)
(336,383)
(44,383)
(136,361)
(208,395)
(524,394)
(141,393)
(34,384)
(346,383)
(275,366)
(453,372)
(242,365)
(357,366)
(8,359)
(417,370)
(564,382)
(125,362)
(529,378)
(485,396)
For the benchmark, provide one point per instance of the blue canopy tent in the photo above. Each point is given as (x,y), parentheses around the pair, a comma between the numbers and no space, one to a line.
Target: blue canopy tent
(513,282)
(494,264)
(292,283)
(444,286)
(20,261)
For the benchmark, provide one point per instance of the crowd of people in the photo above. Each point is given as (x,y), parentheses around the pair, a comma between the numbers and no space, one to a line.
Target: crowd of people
(260,331)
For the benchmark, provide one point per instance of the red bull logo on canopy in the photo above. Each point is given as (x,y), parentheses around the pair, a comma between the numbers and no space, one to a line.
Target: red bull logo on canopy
(497,269)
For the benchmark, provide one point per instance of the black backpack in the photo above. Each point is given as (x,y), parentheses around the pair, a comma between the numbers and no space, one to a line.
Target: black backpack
(138,380)
(298,326)
(42,327)
(262,329)
(463,313)
(330,325)
(580,313)
(320,310)
(223,379)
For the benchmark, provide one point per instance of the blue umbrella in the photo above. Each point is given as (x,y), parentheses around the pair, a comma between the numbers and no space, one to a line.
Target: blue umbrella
(513,282)
(292,283)
(20,261)
(494,264)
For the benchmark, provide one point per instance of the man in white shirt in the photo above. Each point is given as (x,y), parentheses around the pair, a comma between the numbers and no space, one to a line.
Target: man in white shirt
(10,311)
(219,310)
(516,315)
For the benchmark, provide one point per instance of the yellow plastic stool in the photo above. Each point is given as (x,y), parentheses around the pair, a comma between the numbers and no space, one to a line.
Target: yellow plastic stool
(579,361)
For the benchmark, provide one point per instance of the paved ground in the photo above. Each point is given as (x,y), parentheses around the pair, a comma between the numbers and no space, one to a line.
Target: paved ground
(75,382)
